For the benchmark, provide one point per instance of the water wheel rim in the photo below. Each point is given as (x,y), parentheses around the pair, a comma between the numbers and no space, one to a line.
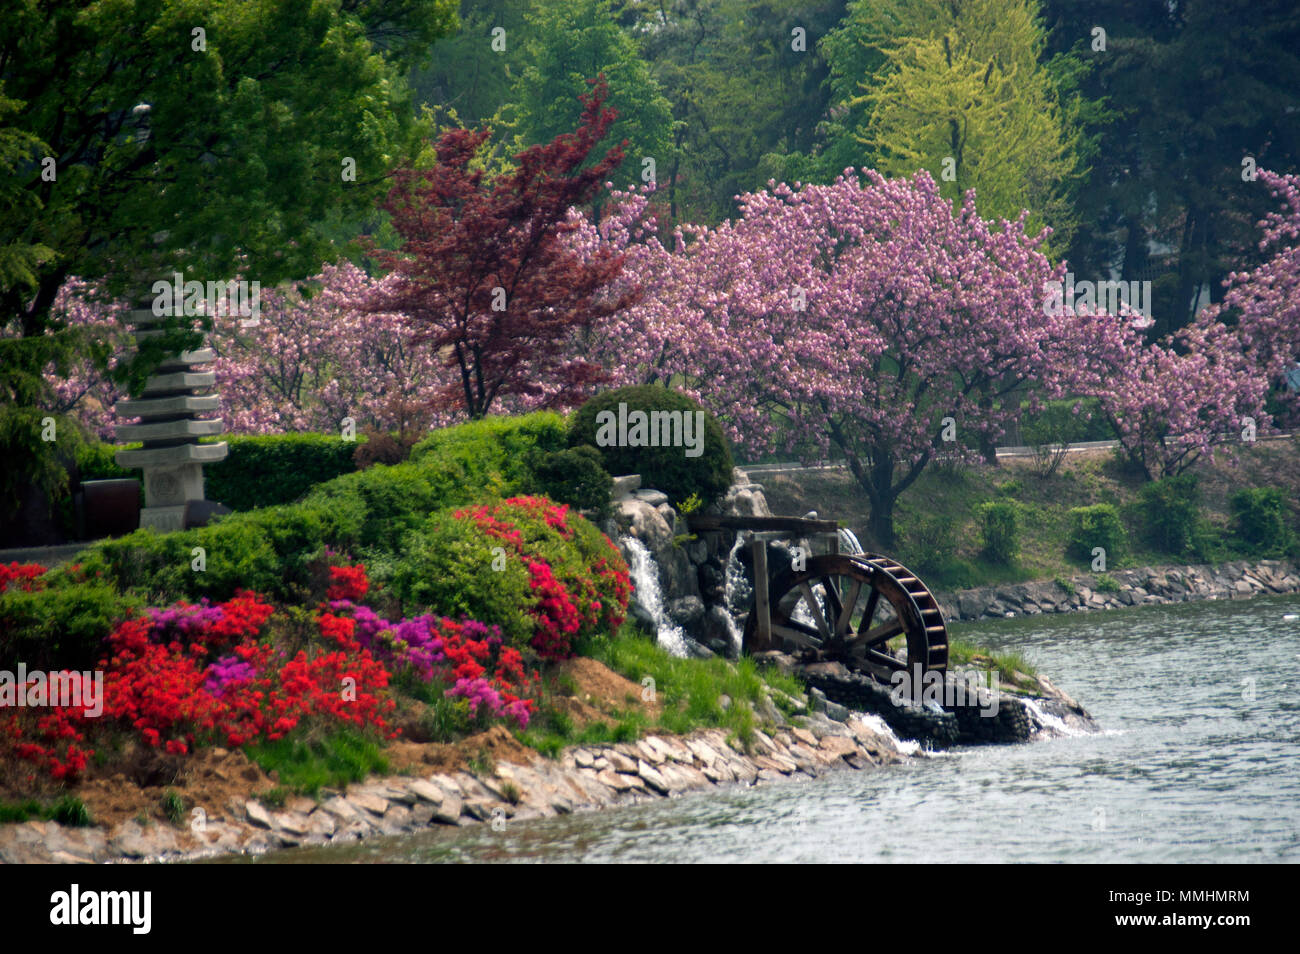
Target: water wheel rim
(841,618)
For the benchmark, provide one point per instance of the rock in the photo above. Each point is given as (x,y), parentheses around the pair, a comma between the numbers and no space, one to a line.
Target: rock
(837,746)
(836,712)
(768,711)
(294,822)
(370,802)
(583,759)
(620,762)
(341,809)
(626,484)
(646,524)
(806,737)
(132,841)
(615,780)
(652,778)
(641,616)
(716,630)
(448,811)
(650,753)
(257,814)
(698,650)
(427,791)
(654,498)
(687,611)
(970,605)
(321,823)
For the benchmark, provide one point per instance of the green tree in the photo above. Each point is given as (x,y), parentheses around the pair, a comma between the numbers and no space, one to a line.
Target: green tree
(965,95)
(1198,86)
(471,72)
(568,44)
(192,136)
(748,90)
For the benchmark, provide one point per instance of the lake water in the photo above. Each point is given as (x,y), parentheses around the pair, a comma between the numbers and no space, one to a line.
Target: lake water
(1200,762)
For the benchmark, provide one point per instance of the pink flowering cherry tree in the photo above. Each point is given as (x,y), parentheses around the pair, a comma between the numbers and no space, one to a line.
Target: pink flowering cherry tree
(308,363)
(870,317)
(1263,305)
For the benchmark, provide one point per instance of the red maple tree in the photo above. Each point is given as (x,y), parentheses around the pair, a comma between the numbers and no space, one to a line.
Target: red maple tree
(485,268)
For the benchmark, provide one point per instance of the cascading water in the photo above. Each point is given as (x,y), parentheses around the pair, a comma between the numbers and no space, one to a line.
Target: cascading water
(849,542)
(645,582)
(1049,721)
(739,593)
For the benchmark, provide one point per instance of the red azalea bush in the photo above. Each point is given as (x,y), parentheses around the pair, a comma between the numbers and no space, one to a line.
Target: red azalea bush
(468,658)
(21,576)
(194,674)
(200,673)
(547,576)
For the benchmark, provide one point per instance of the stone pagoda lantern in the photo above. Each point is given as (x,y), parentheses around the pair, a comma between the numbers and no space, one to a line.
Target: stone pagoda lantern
(172,457)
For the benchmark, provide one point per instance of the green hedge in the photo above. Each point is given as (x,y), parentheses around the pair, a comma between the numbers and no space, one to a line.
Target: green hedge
(62,627)
(999,531)
(261,470)
(662,468)
(273,549)
(1171,513)
(1095,526)
(270,469)
(453,566)
(1262,520)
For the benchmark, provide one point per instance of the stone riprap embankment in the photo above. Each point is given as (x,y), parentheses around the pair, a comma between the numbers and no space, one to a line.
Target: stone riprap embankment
(1139,587)
(585,777)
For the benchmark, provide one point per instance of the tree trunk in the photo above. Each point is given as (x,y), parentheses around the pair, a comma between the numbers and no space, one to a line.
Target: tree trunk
(880,524)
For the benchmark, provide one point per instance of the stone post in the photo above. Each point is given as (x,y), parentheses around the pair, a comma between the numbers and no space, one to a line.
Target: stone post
(172,457)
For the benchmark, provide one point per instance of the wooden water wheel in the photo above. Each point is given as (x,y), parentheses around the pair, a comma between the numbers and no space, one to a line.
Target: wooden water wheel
(847,608)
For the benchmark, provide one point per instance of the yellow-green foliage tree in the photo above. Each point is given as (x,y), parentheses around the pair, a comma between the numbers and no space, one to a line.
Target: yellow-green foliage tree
(961,91)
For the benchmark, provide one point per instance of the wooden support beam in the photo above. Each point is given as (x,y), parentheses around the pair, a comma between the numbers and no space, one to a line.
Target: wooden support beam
(702,523)
(763,621)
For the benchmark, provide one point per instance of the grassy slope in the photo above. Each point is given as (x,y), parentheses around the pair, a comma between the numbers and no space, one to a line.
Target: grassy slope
(1085,478)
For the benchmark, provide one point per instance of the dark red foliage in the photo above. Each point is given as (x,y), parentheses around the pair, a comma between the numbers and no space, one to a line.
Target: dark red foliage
(464,235)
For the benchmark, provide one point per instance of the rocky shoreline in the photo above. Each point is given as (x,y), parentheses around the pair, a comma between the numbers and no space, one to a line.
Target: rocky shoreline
(837,735)
(583,778)
(1160,585)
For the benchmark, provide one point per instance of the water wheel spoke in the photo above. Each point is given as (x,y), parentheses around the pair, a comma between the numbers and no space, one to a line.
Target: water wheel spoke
(815,608)
(882,659)
(844,622)
(833,606)
(879,634)
(797,633)
(869,613)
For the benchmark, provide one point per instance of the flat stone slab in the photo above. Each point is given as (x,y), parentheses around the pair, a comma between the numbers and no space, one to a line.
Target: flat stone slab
(167,406)
(168,430)
(164,456)
(179,381)
(187,358)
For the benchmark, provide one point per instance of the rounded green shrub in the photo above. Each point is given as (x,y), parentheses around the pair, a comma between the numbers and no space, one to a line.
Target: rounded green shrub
(1262,520)
(1095,526)
(63,625)
(575,476)
(267,469)
(542,573)
(642,430)
(999,531)
(1171,512)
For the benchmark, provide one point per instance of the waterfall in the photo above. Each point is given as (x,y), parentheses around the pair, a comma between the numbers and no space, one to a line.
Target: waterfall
(849,542)
(1049,721)
(645,582)
(739,594)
